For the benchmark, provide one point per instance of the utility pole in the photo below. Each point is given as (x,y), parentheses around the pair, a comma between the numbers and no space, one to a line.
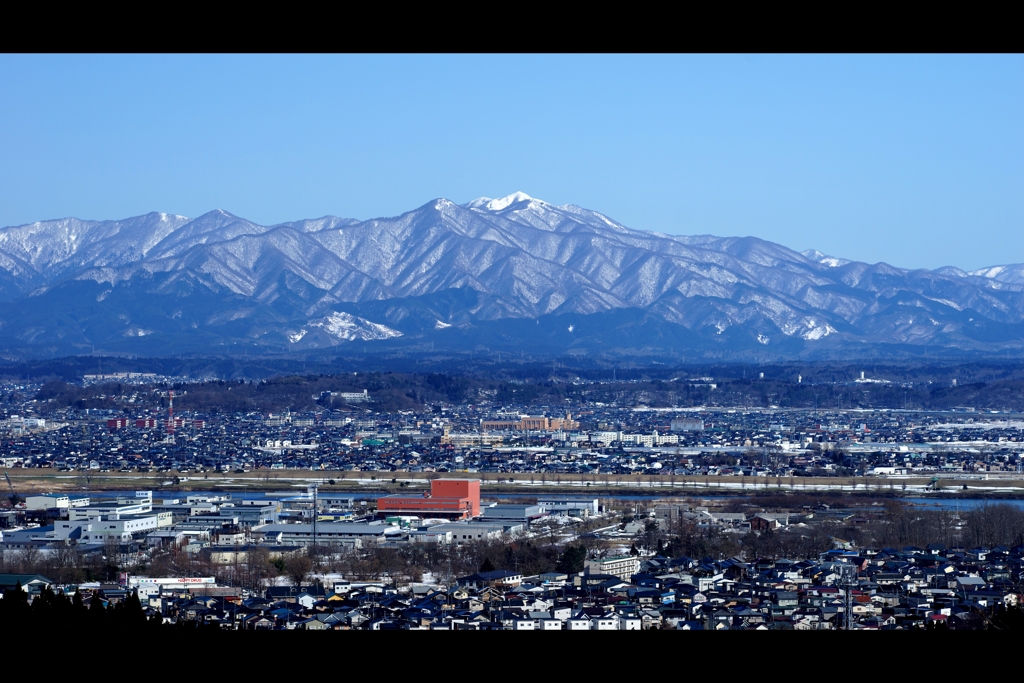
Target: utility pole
(448,578)
(14,498)
(170,416)
(316,514)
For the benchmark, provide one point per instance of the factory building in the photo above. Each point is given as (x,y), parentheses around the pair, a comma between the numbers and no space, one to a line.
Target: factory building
(532,423)
(448,499)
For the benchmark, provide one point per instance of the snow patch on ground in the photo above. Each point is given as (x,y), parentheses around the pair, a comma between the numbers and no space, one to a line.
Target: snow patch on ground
(441,326)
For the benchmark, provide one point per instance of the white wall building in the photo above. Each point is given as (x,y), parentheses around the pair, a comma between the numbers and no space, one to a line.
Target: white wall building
(52,501)
(622,566)
(99,530)
(118,509)
(568,505)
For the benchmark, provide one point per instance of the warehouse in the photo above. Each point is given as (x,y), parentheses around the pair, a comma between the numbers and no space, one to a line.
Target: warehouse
(327,533)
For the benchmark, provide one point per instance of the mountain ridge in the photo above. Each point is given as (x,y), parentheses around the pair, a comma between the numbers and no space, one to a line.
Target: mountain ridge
(524,259)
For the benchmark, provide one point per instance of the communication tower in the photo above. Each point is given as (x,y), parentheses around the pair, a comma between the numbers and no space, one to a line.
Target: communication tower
(846,581)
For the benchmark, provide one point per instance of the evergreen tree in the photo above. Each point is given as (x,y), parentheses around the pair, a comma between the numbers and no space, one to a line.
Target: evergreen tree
(97,612)
(572,559)
(14,608)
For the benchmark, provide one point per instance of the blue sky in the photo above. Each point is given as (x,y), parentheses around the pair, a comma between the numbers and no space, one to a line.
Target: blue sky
(913,160)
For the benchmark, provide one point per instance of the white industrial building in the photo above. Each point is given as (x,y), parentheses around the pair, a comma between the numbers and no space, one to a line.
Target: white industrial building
(469,532)
(100,529)
(139,504)
(327,533)
(504,513)
(572,506)
(54,501)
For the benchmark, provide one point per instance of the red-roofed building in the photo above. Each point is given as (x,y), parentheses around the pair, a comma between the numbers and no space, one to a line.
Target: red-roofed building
(448,498)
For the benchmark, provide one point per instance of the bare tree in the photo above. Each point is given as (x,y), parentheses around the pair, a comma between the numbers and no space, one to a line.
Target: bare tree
(298,568)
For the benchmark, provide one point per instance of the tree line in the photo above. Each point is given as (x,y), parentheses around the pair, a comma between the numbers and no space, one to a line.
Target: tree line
(58,612)
(391,392)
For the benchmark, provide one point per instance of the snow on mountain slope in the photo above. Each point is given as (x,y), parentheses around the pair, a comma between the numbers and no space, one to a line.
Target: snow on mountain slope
(1011,274)
(210,228)
(830,261)
(46,250)
(343,327)
(527,258)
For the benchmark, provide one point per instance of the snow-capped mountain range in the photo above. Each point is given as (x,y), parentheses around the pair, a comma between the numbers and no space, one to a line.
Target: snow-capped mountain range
(473,274)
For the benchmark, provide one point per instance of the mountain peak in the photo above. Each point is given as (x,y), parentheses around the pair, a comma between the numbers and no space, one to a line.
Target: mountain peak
(824,259)
(502,203)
